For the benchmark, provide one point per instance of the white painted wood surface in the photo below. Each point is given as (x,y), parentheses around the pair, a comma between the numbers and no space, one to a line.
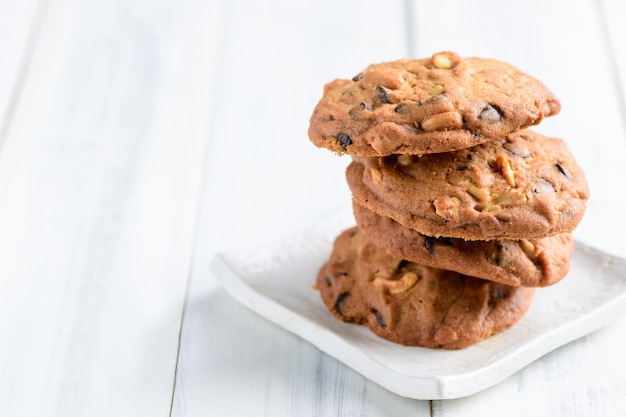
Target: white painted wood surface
(141,137)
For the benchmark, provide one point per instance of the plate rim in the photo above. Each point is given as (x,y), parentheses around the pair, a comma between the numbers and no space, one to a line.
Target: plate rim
(439,387)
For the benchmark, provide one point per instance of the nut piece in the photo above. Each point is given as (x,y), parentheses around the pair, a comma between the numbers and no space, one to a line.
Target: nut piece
(405,160)
(445,60)
(397,286)
(438,89)
(478,193)
(504,166)
(505,199)
(443,121)
(448,208)
(528,248)
(377,175)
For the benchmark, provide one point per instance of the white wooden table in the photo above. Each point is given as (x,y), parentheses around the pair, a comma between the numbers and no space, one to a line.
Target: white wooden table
(140,137)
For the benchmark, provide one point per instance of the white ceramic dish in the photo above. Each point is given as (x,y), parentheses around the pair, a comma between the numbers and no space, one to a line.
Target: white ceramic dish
(276,281)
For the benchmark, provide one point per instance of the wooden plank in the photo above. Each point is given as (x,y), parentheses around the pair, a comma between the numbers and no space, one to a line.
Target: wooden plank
(563,50)
(611,17)
(265,181)
(100,180)
(19,24)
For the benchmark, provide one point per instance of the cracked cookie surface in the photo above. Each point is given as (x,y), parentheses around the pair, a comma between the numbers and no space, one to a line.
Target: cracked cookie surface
(525,186)
(418,106)
(412,304)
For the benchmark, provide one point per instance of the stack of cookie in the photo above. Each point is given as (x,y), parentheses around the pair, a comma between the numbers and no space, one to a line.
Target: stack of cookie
(461,210)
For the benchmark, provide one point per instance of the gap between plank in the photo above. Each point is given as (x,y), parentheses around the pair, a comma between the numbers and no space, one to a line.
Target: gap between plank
(219,55)
(29,47)
(609,49)
(409,17)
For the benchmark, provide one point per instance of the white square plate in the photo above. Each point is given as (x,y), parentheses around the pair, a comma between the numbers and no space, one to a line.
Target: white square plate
(276,281)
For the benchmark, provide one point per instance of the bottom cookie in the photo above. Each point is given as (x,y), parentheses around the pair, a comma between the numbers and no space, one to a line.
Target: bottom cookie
(411,304)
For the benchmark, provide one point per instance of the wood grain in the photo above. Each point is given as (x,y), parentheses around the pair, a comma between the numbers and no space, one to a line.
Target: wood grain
(100,182)
(19,24)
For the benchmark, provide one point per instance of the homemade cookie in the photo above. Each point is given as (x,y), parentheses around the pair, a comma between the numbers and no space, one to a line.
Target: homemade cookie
(526,262)
(420,106)
(412,304)
(521,187)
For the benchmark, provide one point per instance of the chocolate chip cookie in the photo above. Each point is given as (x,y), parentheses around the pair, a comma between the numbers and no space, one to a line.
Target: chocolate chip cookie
(526,262)
(419,106)
(524,186)
(412,304)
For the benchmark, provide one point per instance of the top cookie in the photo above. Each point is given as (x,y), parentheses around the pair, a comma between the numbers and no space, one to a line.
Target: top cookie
(420,106)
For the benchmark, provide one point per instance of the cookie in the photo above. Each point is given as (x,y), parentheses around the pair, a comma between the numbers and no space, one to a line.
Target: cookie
(412,304)
(419,106)
(525,186)
(526,262)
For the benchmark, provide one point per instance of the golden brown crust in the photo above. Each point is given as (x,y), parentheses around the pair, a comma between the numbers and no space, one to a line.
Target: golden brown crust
(437,104)
(526,262)
(412,304)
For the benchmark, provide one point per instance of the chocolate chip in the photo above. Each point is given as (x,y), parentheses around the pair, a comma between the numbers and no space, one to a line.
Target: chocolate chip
(405,107)
(383,94)
(517,150)
(543,186)
(401,265)
(433,99)
(490,114)
(499,257)
(563,170)
(338,302)
(379,318)
(357,112)
(429,244)
(498,292)
(329,282)
(344,139)
(358,77)
(342,274)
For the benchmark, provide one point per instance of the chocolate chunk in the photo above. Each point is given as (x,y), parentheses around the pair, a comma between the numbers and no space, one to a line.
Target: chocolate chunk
(429,244)
(498,292)
(383,94)
(380,319)
(563,170)
(357,112)
(499,257)
(358,77)
(491,114)
(543,186)
(405,108)
(344,139)
(338,302)
(517,150)
(401,265)
(328,281)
